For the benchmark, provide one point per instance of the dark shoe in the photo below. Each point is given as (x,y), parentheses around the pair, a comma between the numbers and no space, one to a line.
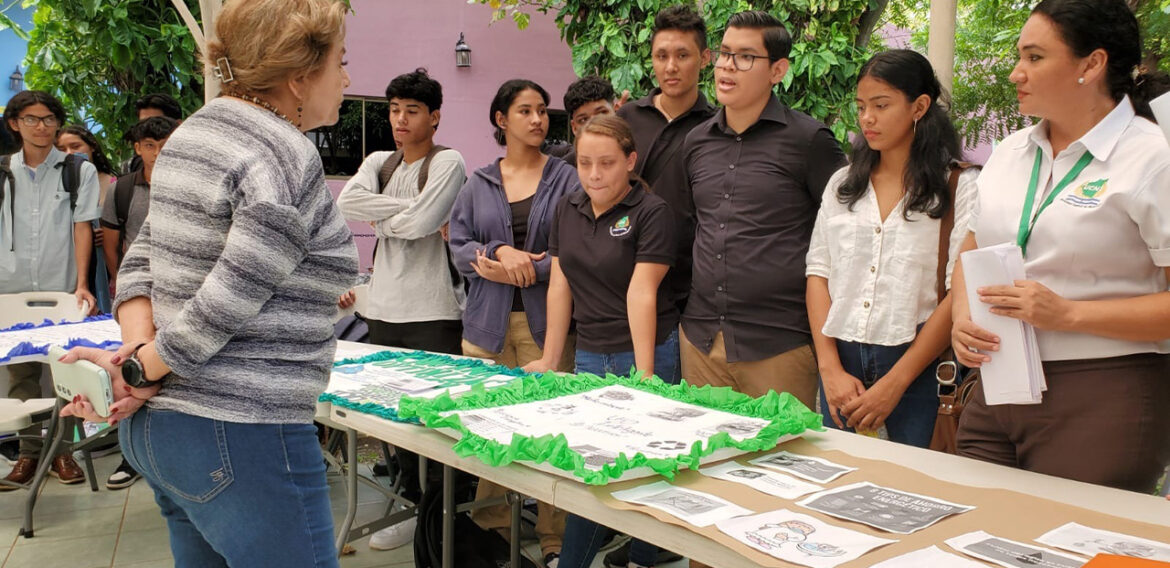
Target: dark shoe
(123,477)
(66,470)
(22,472)
(552,559)
(620,557)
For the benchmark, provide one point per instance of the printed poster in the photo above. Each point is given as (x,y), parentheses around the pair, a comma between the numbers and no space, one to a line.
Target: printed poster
(886,509)
(602,423)
(697,508)
(1011,554)
(800,539)
(1080,539)
(760,479)
(930,557)
(807,467)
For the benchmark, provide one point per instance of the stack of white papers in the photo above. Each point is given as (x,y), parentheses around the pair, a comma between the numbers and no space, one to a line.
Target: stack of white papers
(1161,108)
(1014,374)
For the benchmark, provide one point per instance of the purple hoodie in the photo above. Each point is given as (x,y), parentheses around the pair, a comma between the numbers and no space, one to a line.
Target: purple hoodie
(482,220)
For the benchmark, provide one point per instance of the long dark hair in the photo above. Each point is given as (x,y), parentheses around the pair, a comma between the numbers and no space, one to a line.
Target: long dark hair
(934,147)
(97,155)
(1089,25)
(504,98)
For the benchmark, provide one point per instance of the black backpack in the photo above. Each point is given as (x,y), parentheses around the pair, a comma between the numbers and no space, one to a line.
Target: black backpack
(384,174)
(123,193)
(70,180)
(475,547)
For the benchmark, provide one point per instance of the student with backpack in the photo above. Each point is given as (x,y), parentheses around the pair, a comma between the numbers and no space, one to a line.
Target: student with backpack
(77,139)
(47,203)
(416,296)
(878,300)
(123,215)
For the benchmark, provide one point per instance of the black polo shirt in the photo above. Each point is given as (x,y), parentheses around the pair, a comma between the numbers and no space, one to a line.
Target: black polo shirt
(598,259)
(756,197)
(660,163)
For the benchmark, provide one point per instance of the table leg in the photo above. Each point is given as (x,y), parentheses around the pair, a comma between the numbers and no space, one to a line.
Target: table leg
(448,516)
(56,433)
(351,489)
(516,501)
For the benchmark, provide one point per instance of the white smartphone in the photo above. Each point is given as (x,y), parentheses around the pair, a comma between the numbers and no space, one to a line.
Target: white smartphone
(84,378)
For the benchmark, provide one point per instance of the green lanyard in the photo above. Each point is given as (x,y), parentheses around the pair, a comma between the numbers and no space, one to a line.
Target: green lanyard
(1025,231)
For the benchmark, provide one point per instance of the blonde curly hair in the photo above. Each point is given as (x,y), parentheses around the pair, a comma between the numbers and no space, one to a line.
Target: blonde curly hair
(266,42)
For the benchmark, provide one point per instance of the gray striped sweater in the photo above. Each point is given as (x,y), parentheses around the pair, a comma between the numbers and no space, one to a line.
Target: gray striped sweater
(243,256)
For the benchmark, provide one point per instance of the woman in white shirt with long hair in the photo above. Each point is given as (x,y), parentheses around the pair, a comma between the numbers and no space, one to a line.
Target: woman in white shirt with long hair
(873,300)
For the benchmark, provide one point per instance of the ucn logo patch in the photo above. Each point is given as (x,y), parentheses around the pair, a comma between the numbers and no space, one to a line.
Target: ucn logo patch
(621,227)
(1088,194)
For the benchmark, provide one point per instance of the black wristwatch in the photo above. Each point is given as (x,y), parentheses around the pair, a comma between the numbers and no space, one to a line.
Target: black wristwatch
(134,374)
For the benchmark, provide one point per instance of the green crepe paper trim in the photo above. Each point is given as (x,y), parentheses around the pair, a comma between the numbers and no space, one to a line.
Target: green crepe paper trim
(786,414)
(423,357)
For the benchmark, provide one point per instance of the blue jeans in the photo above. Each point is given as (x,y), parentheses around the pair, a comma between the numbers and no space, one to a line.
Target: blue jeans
(234,494)
(912,420)
(666,361)
(583,537)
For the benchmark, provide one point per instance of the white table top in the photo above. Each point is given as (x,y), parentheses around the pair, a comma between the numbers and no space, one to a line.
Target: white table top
(577,498)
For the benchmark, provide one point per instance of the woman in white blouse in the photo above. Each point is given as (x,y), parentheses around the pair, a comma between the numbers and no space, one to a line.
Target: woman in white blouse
(1086,194)
(872,268)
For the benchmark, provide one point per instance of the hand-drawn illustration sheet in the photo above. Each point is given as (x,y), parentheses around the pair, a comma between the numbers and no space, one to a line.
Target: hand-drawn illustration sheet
(1089,541)
(697,508)
(800,539)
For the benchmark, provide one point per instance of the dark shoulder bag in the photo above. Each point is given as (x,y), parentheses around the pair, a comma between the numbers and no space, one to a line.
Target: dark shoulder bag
(953,390)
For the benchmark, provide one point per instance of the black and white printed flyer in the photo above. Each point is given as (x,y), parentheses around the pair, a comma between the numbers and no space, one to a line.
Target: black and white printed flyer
(1010,553)
(882,508)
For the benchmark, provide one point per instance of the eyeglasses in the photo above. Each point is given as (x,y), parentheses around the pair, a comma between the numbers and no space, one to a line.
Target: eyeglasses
(31,121)
(743,61)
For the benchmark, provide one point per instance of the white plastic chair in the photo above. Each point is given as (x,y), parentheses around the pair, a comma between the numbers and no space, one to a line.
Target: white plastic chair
(36,307)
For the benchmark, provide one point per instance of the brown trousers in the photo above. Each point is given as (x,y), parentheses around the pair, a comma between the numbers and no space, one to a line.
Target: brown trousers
(1102,421)
(793,371)
(520,349)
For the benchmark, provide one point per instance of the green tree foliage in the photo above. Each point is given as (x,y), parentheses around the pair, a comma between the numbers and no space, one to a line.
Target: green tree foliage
(984,101)
(611,38)
(100,56)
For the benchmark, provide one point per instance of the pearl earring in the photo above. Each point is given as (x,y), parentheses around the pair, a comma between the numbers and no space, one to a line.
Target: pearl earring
(1080,80)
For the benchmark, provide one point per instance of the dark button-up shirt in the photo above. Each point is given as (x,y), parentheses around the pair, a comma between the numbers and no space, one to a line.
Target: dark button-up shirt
(756,196)
(660,163)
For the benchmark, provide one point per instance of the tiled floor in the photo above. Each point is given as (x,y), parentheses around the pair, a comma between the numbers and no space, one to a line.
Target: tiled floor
(78,528)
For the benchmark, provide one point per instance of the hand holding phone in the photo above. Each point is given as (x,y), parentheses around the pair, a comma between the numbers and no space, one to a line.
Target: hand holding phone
(81,378)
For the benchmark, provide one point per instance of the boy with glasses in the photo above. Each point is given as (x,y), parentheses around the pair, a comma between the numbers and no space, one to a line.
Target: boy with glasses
(46,239)
(757,171)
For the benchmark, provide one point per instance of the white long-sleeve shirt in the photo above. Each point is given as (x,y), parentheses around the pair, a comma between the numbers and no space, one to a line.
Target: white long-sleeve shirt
(411,280)
(882,275)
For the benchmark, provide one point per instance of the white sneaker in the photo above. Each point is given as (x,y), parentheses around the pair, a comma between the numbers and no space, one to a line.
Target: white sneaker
(394,536)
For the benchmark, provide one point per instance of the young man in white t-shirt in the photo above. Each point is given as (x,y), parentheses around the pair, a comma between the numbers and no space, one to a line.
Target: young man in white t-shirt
(416,298)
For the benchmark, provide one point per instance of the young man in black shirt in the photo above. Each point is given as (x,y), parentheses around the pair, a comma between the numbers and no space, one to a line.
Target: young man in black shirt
(585,98)
(661,121)
(757,170)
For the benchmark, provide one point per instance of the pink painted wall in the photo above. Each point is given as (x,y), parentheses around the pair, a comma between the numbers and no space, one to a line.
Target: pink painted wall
(386,39)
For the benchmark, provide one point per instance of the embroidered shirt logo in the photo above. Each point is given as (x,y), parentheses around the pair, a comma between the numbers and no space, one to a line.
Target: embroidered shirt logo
(621,227)
(1088,195)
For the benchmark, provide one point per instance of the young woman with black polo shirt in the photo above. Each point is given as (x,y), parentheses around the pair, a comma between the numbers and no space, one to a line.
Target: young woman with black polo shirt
(610,245)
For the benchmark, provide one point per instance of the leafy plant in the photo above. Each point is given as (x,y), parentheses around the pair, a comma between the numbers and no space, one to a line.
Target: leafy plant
(100,56)
(611,38)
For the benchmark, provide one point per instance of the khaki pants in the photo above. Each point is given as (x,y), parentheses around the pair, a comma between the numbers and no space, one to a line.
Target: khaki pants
(519,350)
(793,371)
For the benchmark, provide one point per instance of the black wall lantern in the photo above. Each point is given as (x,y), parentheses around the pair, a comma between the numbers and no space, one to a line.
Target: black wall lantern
(462,53)
(16,81)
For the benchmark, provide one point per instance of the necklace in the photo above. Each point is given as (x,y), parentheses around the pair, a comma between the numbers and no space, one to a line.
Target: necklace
(265,105)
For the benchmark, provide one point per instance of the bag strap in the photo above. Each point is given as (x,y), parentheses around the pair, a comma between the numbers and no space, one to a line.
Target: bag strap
(123,195)
(71,177)
(424,173)
(8,180)
(947,370)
